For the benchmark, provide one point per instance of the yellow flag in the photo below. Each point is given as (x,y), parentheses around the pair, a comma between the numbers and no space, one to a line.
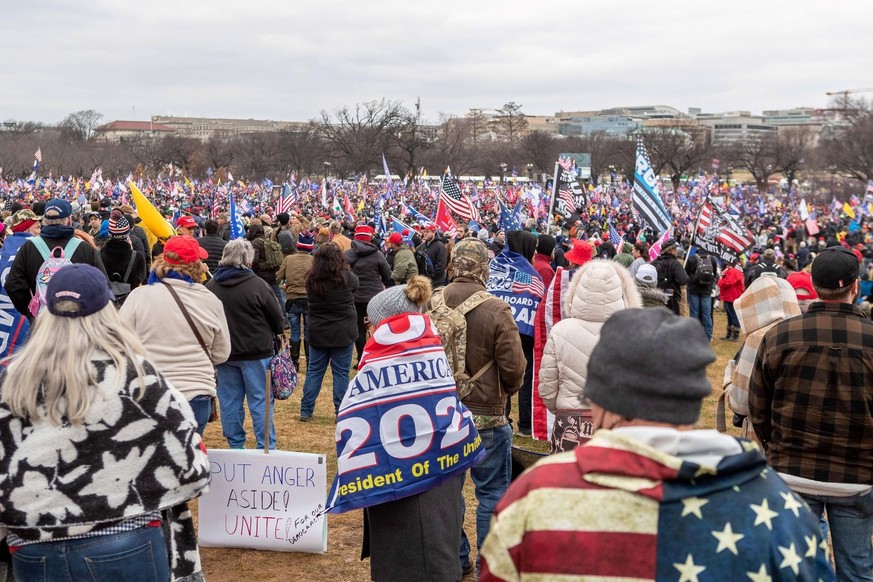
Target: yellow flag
(848,210)
(155,225)
(361,206)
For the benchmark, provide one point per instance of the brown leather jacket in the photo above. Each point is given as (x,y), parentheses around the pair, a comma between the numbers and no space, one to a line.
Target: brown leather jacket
(491,335)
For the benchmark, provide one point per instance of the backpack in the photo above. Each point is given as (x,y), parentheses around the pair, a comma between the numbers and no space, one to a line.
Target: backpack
(118,283)
(704,274)
(662,267)
(451,324)
(424,264)
(273,256)
(50,265)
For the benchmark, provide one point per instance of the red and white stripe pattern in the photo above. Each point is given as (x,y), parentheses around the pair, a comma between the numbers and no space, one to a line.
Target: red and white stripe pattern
(731,233)
(457,201)
(550,312)
(38,155)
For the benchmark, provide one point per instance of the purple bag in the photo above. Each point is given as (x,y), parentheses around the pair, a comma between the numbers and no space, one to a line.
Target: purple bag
(283,375)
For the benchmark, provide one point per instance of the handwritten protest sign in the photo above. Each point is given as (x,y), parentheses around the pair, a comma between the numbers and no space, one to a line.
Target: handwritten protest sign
(265,502)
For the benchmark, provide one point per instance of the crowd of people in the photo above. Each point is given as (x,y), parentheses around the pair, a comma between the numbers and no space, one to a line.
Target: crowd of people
(103,451)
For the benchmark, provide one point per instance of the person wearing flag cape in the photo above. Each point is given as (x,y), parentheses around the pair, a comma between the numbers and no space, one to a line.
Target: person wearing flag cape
(404,440)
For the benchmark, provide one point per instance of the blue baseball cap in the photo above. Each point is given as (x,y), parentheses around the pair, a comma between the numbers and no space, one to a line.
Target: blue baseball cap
(57,208)
(86,287)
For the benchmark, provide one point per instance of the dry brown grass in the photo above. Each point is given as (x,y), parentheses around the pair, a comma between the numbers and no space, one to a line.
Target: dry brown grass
(342,561)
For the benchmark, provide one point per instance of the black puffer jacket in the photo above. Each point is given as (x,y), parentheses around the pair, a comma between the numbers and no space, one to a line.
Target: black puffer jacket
(252,312)
(372,269)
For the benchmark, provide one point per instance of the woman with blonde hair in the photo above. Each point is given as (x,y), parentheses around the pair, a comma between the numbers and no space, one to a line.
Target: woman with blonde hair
(99,454)
(597,289)
(181,324)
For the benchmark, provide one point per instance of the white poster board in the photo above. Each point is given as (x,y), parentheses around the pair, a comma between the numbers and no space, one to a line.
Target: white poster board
(265,502)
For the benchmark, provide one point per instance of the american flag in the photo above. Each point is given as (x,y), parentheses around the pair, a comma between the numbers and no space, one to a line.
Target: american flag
(286,200)
(615,238)
(456,201)
(527,283)
(731,233)
(38,155)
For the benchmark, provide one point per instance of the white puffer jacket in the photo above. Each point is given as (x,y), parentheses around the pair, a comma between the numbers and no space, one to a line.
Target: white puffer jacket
(597,290)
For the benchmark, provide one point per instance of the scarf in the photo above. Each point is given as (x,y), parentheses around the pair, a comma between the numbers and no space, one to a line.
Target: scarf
(153,277)
(129,456)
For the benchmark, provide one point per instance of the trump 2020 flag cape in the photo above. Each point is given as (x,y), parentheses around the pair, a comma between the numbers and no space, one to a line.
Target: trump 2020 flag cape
(401,428)
(646,200)
(236,226)
(514,280)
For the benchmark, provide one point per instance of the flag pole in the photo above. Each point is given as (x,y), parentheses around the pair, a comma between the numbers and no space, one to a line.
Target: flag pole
(694,232)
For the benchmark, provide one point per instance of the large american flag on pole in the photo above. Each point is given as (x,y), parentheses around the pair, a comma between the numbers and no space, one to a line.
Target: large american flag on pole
(457,201)
(38,155)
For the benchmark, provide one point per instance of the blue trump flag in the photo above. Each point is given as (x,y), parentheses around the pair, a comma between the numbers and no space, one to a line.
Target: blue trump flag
(236,226)
(14,327)
(401,427)
(514,280)
(400,226)
(509,220)
(646,200)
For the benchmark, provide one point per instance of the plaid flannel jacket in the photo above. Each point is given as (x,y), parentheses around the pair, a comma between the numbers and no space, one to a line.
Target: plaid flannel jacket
(811,395)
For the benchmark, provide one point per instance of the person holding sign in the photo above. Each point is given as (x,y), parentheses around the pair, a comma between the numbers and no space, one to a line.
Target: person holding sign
(417,441)
(97,450)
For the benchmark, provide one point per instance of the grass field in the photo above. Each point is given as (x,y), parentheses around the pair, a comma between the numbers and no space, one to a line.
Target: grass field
(342,560)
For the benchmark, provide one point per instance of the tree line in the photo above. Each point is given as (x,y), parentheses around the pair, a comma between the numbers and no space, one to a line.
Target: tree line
(350,141)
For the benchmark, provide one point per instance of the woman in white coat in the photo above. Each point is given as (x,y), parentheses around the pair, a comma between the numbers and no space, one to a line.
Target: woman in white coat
(597,290)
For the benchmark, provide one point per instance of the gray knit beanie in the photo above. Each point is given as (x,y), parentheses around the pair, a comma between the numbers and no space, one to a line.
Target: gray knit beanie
(409,298)
(650,364)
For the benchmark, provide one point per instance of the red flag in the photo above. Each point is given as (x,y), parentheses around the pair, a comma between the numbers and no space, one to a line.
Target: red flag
(444,220)
(347,206)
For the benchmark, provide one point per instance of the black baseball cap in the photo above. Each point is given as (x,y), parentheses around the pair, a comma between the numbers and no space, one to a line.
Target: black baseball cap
(835,268)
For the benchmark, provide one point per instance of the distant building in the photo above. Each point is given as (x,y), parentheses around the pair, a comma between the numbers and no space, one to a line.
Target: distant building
(118,131)
(205,128)
(735,126)
(609,124)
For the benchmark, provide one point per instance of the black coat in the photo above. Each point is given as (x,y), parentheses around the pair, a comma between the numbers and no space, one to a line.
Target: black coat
(372,269)
(691,267)
(676,279)
(436,252)
(21,281)
(252,311)
(332,317)
(116,255)
(214,247)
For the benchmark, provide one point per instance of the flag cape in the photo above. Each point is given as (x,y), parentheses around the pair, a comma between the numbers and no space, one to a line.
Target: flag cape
(236,226)
(646,200)
(14,327)
(401,428)
(551,311)
(514,280)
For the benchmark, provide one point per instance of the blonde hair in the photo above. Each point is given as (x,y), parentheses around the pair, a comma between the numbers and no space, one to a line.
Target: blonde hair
(195,270)
(54,369)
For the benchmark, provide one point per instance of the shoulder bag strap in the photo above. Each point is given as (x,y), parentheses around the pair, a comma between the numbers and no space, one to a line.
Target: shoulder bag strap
(187,317)
(130,268)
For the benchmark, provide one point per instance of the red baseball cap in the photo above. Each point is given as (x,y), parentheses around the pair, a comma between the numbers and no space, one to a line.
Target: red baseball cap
(185,248)
(364,232)
(430,226)
(187,222)
(396,238)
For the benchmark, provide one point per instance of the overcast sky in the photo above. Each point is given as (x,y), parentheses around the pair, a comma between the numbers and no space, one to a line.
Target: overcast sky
(290,59)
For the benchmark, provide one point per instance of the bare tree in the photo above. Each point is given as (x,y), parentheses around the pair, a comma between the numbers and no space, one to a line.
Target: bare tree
(477,124)
(540,149)
(511,121)
(849,149)
(793,148)
(410,138)
(758,156)
(677,151)
(600,145)
(357,137)
(80,124)
(450,147)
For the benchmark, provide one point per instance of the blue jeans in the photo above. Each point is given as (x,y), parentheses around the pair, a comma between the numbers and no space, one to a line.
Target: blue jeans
(139,555)
(700,308)
(202,407)
(491,478)
(851,524)
(297,310)
(340,362)
(731,314)
(240,380)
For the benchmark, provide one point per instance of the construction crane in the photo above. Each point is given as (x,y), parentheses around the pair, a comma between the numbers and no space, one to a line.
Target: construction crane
(842,98)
